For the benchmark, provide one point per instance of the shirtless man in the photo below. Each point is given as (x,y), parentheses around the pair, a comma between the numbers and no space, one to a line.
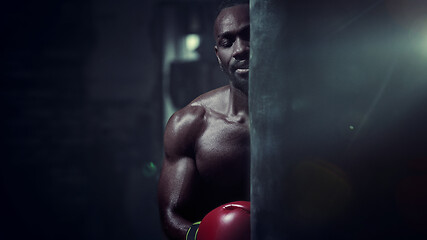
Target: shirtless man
(207,145)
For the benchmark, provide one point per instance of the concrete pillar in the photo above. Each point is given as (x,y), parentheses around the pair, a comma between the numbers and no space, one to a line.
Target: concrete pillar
(337,106)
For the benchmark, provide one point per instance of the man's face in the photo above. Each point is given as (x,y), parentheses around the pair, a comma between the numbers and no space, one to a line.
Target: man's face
(232,44)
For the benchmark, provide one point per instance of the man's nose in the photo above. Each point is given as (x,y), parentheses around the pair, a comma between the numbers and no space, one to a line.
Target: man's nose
(241,49)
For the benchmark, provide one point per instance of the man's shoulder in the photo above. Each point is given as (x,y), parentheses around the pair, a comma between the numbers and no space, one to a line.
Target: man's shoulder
(183,128)
(216,100)
(187,116)
(195,112)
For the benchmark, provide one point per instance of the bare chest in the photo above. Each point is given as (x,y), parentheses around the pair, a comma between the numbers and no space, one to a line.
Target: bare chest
(223,155)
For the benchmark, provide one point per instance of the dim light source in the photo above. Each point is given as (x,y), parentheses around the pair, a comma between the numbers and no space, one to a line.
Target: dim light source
(192,42)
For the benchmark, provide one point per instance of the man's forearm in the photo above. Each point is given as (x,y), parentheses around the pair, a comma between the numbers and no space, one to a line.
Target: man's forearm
(176,227)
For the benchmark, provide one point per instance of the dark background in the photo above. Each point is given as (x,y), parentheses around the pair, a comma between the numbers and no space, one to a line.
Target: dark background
(82,86)
(86,88)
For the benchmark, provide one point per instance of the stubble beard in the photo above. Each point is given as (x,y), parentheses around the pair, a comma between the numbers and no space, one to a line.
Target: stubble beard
(240,83)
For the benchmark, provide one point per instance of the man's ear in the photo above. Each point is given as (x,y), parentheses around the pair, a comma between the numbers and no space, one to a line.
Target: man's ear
(219,60)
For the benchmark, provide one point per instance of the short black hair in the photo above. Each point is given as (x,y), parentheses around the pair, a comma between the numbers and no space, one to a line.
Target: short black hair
(230,3)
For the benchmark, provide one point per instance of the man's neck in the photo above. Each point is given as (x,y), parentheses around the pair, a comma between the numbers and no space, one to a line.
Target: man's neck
(238,103)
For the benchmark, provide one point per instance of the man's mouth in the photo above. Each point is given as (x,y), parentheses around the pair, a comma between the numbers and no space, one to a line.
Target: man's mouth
(242,70)
(241,67)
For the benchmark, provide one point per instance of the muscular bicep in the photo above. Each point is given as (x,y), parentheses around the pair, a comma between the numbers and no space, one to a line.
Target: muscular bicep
(178,185)
(180,189)
(179,196)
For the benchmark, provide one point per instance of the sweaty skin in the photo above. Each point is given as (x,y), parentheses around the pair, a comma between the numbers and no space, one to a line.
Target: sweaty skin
(207,144)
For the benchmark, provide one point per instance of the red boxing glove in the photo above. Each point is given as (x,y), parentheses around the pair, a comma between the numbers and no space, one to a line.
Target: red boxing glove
(230,221)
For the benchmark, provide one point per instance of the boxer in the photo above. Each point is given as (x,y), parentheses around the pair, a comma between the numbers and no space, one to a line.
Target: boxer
(207,144)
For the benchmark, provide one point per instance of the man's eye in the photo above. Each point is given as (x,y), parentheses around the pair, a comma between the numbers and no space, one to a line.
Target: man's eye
(225,42)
